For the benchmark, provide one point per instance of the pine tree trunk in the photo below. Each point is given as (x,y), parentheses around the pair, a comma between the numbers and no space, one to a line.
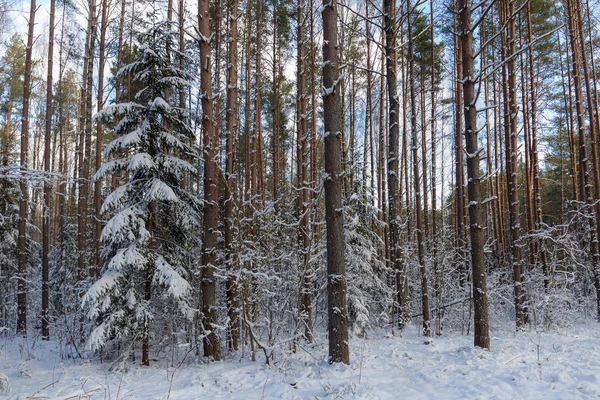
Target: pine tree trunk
(275,112)
(425,194)
(99,136)
(481,334)
(211,190)
(461,242)
(394,132)
(47,186)
(305,300)
(23,199)
(510,120)
(84,142)
(534,150)
(591,199)
(232,289)
(596,167)
(434,216)
(332,118)
(417,182)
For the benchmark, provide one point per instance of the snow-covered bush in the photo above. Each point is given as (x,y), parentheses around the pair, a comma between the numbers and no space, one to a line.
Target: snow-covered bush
(369,295)
(4,384)
(9,218)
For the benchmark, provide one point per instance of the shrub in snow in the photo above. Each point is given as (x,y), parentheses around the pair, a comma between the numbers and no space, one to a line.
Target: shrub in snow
(9,218)
(369,295)
(25,369)
(4,384)
(147,262)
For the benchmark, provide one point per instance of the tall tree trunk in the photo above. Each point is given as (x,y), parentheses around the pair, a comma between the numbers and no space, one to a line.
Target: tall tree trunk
(368,135)
(381,181)
(332,118)
(23,199)
(568,110)
(211,189)
(461,242)
(534,147)
(248,166)
(394,132)
(314,162)
(47,186)
(302,170)
(62,145)
(275,112)
(481,336)
(85,126)
(424,191)
(434,216)
(232,290)
(417,181)
(590,198)
(99,135)
(507,19)
(596,167)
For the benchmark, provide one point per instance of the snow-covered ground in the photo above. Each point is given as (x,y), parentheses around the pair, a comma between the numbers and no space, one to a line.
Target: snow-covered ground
(562,364)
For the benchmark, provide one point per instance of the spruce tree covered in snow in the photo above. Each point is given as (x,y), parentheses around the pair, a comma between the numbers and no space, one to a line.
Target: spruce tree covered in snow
(146,261)
(9,218)
(65,287)
(369,295)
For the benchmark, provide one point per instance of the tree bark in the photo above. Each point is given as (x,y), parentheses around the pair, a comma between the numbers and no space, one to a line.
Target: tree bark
(23,199)
(417,181)
(232,290)
(459,166)
(481,328)
(510,120)
(99,136)
(211,189)
(394,132)
(336,279)
(47,186)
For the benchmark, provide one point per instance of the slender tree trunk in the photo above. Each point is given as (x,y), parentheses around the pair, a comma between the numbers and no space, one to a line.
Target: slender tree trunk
(425,195)
(85,125)
(434,216)
(459,166)
(47,186)
(148,285)
(417,181)
(510,120)
(62,145)
(481,336)
(99,135)
(302,173)
(594,106)
(23,199)
(275,111)
(590,198)
(313,131)
(336,279)
(6,139)
(211,189)
(248,166)
(394,132)
(568,105)
(534,148)
(232,289)
(368,135)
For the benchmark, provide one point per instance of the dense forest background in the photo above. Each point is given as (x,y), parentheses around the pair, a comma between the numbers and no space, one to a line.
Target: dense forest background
(247,174)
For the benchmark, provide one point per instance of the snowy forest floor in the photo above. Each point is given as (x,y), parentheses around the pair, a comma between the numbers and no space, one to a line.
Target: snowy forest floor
(560,364)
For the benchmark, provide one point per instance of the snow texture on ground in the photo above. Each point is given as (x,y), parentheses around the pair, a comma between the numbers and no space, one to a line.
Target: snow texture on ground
(567,367)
